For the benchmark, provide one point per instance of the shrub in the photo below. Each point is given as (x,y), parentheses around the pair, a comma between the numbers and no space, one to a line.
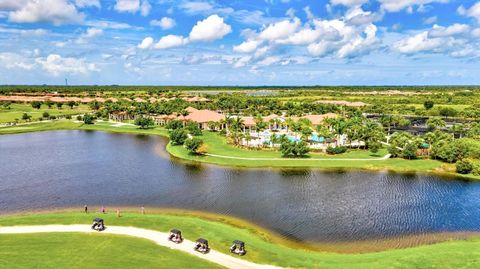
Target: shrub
(68,117)
(174,124)
(294,149)
(79,117)
(88,119)
(36,104)
(45,114)
(178,136)
(144,122)
(410,151)
(476,168)
(336,150)
(25,116)
(193,129)
(464,167)
(428,104)
(193,144)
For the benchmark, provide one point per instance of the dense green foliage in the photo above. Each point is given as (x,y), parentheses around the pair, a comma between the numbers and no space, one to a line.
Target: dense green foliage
(193,129)
(193,144)
(294,149)
(464,167)
(336,150)
(36,104)
(178,136)
(144,122)
(88,119)
(452,151)
(174,124)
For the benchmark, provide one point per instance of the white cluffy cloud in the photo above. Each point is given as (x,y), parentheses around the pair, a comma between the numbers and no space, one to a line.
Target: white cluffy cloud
(348,3)
(165,23)
(88,3)
(207,30)
(15,61)
(211,28)
(350,36)
(33,11)
(458,40)
(398,5)
(133,6)
(88,35)
(57,65)
(54,64)
(473,11)
(146,43)
(170,41)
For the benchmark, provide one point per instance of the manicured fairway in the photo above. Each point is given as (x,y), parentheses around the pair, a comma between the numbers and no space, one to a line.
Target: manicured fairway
(220,231)
(74,250)
(16,111)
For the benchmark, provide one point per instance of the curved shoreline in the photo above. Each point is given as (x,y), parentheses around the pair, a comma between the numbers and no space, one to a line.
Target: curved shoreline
(324,164)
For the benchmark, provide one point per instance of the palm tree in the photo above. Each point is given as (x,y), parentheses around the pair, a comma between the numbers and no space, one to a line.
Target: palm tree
(457,128)
(260,125)
(324,132)
(288,123)
(237,124)
(227,121)
(273,139)
(339,125)
(248,138)
(212,125)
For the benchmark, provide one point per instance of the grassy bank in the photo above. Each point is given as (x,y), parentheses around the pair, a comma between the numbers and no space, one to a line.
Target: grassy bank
(70,250)
(218,145)
(220,231)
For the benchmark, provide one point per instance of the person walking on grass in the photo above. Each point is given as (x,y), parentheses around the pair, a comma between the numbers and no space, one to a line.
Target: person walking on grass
(118,213)
(86,209)
(103,209)
(143,210)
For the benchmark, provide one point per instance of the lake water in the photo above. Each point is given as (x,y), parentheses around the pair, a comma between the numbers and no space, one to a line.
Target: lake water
(73,168)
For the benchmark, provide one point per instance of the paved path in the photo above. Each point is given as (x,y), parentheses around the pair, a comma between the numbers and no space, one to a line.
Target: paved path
(309,159)
(159,238)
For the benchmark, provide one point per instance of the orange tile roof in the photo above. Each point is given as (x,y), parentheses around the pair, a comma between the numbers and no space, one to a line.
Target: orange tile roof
(318,119)
(249,121)
(204,115)
(342,103)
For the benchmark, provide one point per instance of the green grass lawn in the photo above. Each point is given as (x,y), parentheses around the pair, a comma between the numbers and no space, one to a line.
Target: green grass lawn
(16,111)
(74,250)
(220,231)
(217,144)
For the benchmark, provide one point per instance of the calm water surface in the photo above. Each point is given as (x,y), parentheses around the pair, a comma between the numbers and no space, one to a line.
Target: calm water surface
(72,168)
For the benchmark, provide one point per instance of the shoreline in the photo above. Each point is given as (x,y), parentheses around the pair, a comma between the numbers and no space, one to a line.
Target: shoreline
(406,241)
(321,164)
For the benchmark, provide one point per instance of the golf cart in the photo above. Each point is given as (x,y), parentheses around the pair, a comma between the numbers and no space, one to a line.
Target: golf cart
(201,245)
(175,236)
(98,224)
(238,248)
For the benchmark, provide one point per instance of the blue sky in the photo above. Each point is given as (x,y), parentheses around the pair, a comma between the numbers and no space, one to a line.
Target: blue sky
(250,42)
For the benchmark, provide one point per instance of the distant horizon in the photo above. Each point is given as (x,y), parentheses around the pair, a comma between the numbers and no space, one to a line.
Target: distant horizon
(233,86)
